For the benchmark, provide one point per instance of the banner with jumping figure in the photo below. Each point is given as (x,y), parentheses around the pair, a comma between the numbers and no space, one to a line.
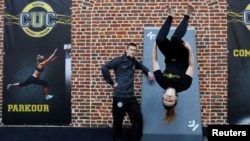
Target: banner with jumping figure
(37,62)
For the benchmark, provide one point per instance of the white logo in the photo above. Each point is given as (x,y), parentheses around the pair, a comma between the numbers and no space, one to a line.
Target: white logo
(119,104)
(193,125)
(151,35)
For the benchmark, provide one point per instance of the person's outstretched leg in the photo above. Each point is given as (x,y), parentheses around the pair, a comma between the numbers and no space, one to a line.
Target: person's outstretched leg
(12,85)
(182,27)
(27,82)
(161,39)
(45,84)
(47,95)
(163,32)
(180,53)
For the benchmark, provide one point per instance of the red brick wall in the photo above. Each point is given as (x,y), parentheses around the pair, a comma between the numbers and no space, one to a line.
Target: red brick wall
(100,31)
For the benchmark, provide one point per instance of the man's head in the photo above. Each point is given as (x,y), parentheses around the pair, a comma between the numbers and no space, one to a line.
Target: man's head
(131,50)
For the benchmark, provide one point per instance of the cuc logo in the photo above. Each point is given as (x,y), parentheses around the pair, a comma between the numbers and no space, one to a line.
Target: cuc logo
(37,19)
(246,16)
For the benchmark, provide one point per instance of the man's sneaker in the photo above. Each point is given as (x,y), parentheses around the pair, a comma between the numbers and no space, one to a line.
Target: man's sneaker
(48,97)
(8,86)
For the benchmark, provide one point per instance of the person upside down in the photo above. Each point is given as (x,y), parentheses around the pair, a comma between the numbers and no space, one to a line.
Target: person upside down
(179,61)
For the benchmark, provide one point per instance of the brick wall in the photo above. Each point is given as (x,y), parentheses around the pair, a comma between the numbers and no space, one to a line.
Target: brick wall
(102,28)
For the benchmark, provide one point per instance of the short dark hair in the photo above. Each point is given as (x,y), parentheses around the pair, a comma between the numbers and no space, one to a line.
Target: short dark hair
(131,44)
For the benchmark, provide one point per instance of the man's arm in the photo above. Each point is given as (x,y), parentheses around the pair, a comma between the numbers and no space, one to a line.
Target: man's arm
(106,74)
(106,70)
(145,70)
(190,69)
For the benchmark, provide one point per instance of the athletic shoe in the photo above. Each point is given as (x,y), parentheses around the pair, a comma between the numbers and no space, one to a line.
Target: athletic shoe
(8,86)
(48,97)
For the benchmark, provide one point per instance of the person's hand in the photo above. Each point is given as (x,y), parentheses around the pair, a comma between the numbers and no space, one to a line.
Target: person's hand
(150,76)
(115,85)
(55,51)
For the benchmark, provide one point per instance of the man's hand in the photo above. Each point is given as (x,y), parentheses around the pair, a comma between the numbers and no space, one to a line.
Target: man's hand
(150,76)
(115,85)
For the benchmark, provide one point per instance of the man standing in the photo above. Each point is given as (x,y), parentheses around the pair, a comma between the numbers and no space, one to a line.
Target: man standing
(124,100)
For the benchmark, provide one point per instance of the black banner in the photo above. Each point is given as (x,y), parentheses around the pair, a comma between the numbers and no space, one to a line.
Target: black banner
(33,30)
(238,61)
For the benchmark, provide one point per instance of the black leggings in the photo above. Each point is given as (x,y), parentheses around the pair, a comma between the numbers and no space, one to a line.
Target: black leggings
(121,106)
(174,48)
(34,80)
